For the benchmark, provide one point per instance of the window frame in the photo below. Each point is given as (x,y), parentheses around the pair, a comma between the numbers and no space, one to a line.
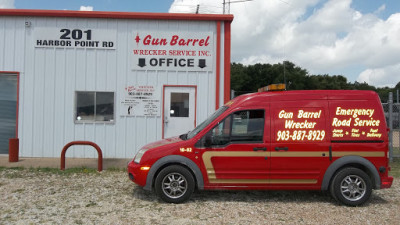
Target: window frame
(200,142)
(95,108)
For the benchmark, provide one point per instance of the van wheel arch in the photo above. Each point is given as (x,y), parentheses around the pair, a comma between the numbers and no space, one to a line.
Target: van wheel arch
(358,166)
(174,184)
(351,161)
(173,164)
(351,186)
(171,160)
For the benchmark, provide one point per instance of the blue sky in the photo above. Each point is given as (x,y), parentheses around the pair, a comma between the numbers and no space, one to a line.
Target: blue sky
(369,6)
(359,39)
(364,6)
(98,5)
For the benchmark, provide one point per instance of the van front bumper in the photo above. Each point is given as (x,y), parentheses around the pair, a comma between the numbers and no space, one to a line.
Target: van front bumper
(137,174)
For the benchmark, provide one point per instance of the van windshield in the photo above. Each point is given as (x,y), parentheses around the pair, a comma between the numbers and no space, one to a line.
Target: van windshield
(211,118)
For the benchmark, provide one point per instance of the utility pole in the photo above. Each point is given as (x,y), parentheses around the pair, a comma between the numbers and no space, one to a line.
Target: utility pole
(229,4)
(390,103)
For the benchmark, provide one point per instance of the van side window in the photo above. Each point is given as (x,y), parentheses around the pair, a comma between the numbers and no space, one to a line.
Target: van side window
(239,127)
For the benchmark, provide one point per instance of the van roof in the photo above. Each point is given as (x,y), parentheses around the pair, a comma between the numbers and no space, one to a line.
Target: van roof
(277,96)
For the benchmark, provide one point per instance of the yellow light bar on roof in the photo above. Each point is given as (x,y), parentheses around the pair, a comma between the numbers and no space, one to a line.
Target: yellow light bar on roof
(273,87)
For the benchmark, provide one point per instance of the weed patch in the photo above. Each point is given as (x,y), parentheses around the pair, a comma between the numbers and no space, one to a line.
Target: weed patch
(395,168)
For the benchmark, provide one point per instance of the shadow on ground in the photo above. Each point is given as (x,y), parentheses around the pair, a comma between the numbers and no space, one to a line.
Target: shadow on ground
(255,196)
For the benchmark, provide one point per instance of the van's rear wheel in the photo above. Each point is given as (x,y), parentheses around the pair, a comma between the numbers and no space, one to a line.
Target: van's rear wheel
(351,186)
(174,184)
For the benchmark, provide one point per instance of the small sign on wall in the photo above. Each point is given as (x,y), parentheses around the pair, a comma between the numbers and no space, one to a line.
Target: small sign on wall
(141,100)
(75,38)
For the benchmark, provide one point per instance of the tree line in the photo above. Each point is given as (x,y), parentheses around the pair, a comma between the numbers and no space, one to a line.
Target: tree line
(248,78)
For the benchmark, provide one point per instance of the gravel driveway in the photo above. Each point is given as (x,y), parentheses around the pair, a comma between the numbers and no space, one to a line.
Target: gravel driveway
(32,196)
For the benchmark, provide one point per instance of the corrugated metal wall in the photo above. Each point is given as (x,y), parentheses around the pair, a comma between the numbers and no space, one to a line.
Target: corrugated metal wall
(49,78)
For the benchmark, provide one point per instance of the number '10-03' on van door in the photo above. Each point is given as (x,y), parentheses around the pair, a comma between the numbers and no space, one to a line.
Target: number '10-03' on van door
(332,141)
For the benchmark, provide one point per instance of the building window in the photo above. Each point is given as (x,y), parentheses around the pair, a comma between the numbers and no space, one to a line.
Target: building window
(179,105)
(94,106)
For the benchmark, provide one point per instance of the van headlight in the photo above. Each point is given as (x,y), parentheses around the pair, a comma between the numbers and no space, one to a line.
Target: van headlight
(139,155)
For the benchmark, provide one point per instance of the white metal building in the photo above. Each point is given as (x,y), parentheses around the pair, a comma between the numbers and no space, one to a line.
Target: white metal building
(117,79)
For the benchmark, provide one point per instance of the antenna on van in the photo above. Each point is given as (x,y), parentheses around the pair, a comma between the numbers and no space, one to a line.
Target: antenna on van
(284,73)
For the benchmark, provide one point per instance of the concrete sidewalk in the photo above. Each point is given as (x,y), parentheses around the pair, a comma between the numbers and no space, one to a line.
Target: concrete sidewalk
(69,163)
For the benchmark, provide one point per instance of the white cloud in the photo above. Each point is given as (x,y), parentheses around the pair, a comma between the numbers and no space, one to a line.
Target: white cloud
(321,36)
(381,77)
(86,8)
(380,9)
(262,59)
(7,4)
(190,6)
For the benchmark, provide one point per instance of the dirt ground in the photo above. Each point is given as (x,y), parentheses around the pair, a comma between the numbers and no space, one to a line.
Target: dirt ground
(31,196)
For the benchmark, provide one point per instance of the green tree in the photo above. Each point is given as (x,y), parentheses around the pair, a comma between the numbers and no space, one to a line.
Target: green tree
(238,76)
(292,75)
(249,78)
(397,87)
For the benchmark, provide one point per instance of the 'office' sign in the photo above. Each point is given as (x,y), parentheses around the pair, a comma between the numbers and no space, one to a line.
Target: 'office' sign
(172,51)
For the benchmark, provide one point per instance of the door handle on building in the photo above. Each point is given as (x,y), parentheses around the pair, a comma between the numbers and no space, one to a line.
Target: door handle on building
(166,120)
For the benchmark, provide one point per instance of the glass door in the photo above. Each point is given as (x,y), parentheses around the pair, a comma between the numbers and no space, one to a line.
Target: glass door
(8,109)
(179,110)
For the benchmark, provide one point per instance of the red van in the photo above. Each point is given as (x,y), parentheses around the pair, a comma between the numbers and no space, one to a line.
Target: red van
(279,140)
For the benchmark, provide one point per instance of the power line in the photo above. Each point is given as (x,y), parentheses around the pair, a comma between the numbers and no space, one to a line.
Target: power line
(240,1)
(199,8)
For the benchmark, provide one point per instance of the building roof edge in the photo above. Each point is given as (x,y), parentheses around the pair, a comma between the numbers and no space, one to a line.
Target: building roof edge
(116,15)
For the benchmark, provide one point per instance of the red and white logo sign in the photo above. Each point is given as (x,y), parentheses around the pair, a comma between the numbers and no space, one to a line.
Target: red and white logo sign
(171,51)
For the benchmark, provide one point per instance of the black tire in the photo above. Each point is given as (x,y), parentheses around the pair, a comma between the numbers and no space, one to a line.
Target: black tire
(351,186)
(174,184)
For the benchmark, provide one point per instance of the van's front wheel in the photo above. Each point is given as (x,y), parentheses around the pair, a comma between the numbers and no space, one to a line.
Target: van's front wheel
(351,186)
(174,184)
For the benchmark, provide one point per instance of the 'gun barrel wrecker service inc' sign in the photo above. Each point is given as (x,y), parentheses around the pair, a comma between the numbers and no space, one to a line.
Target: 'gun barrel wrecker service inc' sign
(171,51)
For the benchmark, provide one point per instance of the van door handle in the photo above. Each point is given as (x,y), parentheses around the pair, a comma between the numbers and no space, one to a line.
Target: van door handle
(281,148)
(260,149)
